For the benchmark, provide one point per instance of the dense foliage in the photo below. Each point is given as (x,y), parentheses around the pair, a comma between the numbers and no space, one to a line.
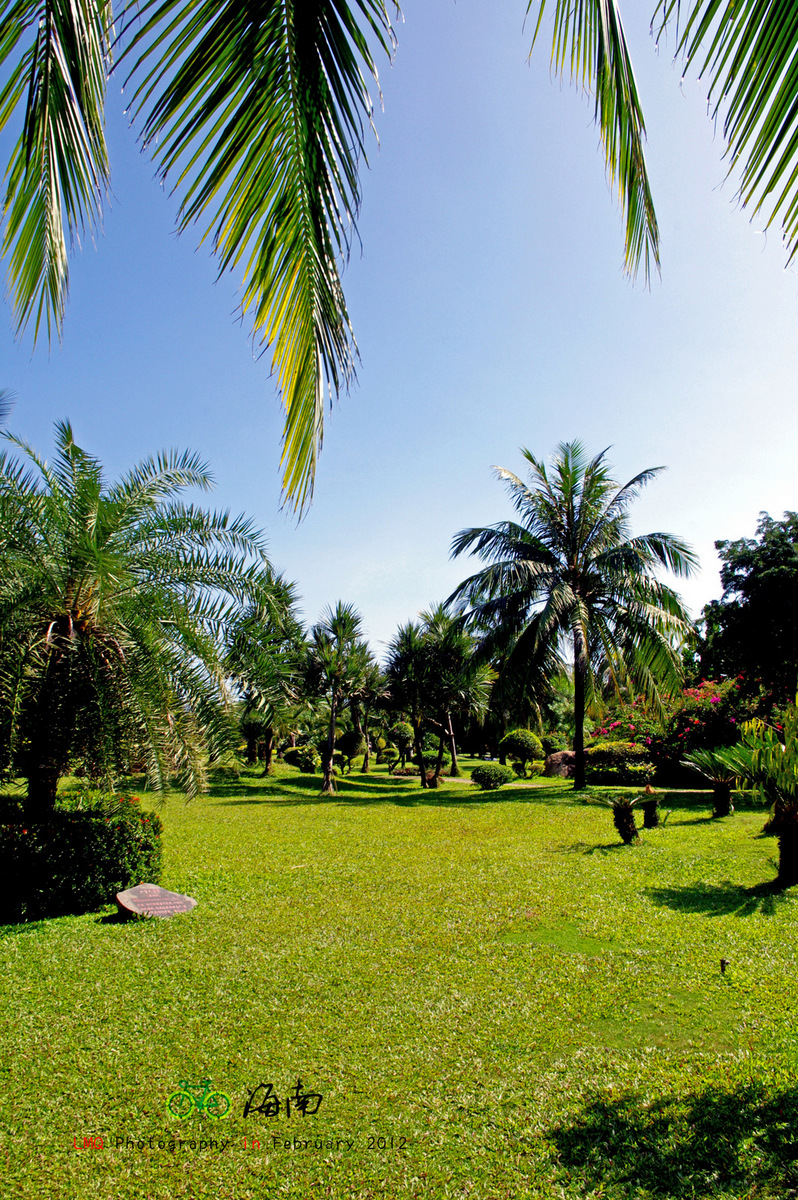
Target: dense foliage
(751,632)
(114,604)
(75,861)
(489,776)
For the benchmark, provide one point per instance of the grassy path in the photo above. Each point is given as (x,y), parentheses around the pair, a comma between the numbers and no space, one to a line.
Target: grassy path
(493,998)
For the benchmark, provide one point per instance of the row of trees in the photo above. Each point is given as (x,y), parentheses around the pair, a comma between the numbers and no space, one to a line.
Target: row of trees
(130,622)
(134,626)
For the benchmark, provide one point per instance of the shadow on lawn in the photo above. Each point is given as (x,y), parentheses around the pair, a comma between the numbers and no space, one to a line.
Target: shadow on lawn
(365,790)
(719,899)
(739,1142)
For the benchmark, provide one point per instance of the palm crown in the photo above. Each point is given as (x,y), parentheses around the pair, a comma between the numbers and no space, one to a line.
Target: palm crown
(114,603)
(569,573)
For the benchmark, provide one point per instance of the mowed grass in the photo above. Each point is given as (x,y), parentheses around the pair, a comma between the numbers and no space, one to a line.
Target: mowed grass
(492,995)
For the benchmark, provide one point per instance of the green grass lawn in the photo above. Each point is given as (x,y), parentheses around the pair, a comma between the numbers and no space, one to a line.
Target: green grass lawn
(493,997)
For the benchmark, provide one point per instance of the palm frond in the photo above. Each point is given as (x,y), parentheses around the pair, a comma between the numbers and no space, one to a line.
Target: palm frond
(749,52)
(259,113)
(589,40)
(58,173)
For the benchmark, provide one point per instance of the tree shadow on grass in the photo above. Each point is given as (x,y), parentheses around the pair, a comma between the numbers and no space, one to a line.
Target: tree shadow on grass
(364,791)
(719,899)
(738,1141)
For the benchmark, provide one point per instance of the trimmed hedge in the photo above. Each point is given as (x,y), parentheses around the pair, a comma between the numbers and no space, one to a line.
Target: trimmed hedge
(624,763)
(490,776)
(306,758)
(522,745)
(75,861)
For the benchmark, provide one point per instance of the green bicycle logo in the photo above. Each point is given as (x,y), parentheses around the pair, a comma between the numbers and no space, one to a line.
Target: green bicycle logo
(214,1104)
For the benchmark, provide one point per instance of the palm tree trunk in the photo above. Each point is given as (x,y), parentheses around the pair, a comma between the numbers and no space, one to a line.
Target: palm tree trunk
(439,763)
(455,770)
(721,798)
(580,669)
(42,788)
(364,770)
(268,747)
(328,784)
(419,752)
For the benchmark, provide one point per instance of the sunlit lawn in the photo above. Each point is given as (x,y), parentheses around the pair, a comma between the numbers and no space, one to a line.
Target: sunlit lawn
(492,996)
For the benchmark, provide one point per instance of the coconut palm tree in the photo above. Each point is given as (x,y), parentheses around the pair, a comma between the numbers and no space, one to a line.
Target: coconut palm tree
(568,575)
(114,602)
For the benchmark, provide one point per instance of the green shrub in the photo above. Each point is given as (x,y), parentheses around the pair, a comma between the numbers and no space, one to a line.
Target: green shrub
(307,758)
(553,742)
(401,734)
(77,859)
(350,744)
(521,744)
(621,763)
(520,769)
(537,768)
(490,776)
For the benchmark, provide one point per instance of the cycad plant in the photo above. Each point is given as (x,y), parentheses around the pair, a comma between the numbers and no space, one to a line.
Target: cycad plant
(713,766)
(114,602)
(569,579)
(770,765)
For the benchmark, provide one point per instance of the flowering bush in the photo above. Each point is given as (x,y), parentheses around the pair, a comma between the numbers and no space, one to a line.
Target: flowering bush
(77,859)
(710,716)
(629,722)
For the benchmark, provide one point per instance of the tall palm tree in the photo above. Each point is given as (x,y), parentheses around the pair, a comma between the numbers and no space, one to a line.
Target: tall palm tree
(265,656)
(114,603)
(258,116)
(337,661)
(408,679)
(569,575)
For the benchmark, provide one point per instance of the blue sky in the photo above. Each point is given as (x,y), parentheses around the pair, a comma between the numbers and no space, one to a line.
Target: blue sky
(490,310)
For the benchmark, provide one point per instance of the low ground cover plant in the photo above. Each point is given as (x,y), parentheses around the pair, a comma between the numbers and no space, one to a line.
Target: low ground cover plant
(78,858)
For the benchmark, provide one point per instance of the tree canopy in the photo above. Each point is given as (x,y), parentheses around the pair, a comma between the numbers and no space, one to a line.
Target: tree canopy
(752,629)
(115,600)
(569,574)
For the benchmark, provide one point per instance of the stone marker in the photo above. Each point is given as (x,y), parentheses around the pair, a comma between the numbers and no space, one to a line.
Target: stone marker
(149,900)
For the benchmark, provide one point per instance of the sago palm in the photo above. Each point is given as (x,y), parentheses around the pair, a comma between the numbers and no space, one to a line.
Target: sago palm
(114,603)
(569,578)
